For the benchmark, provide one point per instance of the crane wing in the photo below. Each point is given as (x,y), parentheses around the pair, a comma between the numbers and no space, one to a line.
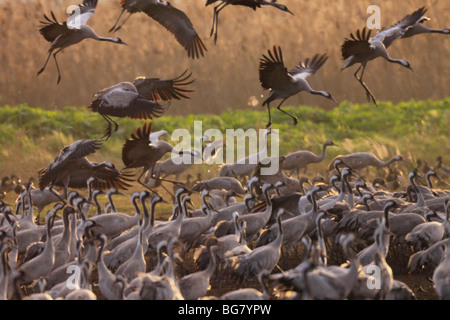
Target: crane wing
(156,89)
(120,182)
(137,108)
(51,29)
(138,145)
(308,67)
(272,72)
(177,23)
(113,179)
(388,35)
(357,45)
(76,150)
(81,16)
(154,136)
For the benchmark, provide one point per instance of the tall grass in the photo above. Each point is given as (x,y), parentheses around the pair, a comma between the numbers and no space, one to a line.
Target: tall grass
(227,77)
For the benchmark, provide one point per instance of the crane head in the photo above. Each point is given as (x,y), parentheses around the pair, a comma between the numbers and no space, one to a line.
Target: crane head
(119,41)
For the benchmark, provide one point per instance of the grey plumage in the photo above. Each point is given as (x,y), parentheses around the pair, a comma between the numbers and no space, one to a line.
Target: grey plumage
(172,19)
(282,83)
(362,48)
(68,33)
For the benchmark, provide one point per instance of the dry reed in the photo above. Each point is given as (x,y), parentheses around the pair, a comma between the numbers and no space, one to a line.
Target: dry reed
(227,77)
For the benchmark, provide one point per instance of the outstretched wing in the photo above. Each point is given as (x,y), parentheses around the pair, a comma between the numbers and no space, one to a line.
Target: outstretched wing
(82,15)
(357,45)
(272,72)
(78,149)
(122,100)
(156,89)
(137,145)
(112,178)
(177,23)
(308,67)
(388,35)
(139,108)
(154,136)
(51,29)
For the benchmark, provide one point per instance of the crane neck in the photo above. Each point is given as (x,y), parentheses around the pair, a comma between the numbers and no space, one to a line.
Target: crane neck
(97,205)
(113,207)
(279,239)
(237,229)
(323,250)
(212,263)
(322,155)
(420,199)
(441,31)
(354,264)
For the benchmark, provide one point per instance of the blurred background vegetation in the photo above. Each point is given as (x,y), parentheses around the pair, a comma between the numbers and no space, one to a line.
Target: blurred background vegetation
(30,138)
(227,77)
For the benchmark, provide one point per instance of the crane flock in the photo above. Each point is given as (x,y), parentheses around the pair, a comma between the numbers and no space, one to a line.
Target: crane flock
(289,237)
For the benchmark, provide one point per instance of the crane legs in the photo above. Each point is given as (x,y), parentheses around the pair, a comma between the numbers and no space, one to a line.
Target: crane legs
(46,62)
(109,128)
(162,179)
(56,62)
(215,23)
(57,195)
(270,117)
(114,29)
(290,115)
(279,108)
(155,178)
(143,184)
(369,94)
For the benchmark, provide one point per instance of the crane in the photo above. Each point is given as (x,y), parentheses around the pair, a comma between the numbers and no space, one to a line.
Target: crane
(284,84)
(139,152)
(253,4)
(72,169)
(171,18)
(140,99)
(300,159)
(68,33)
(362,48)
(420,28)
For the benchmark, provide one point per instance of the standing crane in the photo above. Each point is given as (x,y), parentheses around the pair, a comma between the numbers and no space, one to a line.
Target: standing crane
(284,84)
(68,33)
(171,18)
(441,275)
(253,4)
(139,99)
(300,159)
(261,259)
(362,48)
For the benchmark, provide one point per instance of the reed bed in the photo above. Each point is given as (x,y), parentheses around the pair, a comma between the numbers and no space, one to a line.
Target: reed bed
(227,77)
